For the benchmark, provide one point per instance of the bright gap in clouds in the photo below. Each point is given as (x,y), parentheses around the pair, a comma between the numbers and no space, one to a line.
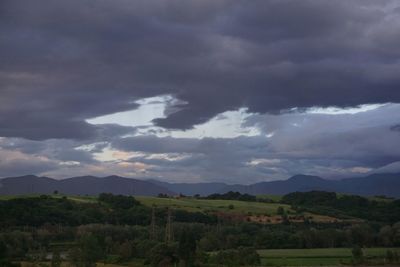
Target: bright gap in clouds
(229,124)
(225,125)
(340,111)
(149,109)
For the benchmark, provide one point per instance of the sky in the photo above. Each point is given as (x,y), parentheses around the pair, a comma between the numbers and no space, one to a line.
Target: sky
(231,91)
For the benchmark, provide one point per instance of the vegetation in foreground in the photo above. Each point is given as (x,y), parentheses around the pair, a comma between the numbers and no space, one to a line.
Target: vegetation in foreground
(123,230)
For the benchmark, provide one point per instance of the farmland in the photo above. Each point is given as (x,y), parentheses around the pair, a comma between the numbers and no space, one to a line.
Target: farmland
(206,205)
(258,212)
(318,257)
(291,257)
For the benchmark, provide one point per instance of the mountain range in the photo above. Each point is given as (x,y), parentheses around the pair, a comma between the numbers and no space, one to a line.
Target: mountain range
(83,185)
(387,184)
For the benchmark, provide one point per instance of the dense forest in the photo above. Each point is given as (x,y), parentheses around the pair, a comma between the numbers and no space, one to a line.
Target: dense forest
(116,228)
(330,203)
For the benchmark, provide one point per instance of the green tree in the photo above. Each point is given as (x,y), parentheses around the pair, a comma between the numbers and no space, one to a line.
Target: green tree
(361,235)
(395,256)
(358,254)
(396,234)
(56,259)
(237,257)
(386,235)
(163,255)
(87,253)
(3,249)
(209,242)
(125,250)
(4,262)
(389,255)
(280,210)
(187,247)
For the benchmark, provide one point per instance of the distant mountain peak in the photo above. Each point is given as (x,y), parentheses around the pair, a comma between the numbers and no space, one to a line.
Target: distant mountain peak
(376,184)
(305,178)
(82,185)
(115,177)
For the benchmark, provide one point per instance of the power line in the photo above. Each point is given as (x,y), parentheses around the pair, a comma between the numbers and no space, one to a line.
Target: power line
(168,228)
(153,224)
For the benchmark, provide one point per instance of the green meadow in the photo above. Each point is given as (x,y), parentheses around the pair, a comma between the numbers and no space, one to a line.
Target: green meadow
(289,257)
(206,205)
(317,257)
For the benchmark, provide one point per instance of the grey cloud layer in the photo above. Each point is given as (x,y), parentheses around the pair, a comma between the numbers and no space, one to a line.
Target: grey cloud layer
(66,61)
(327,145)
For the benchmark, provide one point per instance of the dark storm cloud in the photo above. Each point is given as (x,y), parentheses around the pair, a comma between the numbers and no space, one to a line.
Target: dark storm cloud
(395,127)
(67,61)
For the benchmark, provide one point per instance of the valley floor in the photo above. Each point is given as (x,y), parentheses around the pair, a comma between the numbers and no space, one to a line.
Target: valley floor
(291,257)
(319,256)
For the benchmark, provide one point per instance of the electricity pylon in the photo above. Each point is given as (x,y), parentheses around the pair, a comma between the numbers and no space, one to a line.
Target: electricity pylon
(153,224)
(168,227)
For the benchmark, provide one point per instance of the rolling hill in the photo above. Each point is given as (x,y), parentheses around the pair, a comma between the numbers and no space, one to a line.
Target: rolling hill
(191,189)
(376,184)
(83,185)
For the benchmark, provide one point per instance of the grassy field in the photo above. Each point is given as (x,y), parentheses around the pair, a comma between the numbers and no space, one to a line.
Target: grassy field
(202,205)
(315,257)
(285,257)
(256,209)
(258,212)
(267,211)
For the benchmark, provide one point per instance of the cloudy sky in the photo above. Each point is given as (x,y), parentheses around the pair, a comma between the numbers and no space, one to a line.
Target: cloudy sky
(212,90)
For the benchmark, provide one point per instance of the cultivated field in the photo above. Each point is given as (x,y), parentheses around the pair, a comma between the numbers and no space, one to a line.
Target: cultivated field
(206,205)
(333,257)
(189,204)
(317,257)
(258,212)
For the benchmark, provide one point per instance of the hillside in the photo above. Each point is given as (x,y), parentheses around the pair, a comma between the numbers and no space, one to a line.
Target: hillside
(387,184)
(192,189)
(376,184)
(84,185)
